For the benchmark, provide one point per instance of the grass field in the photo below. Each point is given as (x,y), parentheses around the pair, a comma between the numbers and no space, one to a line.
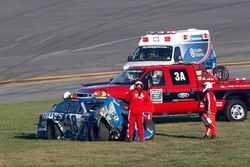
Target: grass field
(176,143)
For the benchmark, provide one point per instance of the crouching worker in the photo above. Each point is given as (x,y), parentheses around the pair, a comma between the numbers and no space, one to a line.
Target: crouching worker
(210,115)
(138,100)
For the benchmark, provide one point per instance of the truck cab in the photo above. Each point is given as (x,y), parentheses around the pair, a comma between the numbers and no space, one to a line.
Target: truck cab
(169,47)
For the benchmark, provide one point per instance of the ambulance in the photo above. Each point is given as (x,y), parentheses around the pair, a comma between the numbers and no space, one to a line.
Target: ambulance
(169,47)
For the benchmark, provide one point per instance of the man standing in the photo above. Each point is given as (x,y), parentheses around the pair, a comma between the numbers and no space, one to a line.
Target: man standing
(210,106)
(138,99)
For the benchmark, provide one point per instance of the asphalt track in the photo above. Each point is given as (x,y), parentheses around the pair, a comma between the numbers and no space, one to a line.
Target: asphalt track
(61,37)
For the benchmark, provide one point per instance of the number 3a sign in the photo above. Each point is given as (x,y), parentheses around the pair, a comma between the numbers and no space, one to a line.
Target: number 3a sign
(179,76)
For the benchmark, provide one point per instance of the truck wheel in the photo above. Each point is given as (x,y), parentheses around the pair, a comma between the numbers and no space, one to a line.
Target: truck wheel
(99,133)
(235,110)
(54,132)
(149,124)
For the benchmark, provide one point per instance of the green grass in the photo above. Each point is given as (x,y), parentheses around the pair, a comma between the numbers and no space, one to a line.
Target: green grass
(176,143)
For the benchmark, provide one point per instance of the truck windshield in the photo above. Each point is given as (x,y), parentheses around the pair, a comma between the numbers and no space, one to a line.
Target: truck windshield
(152,53)
(127,77)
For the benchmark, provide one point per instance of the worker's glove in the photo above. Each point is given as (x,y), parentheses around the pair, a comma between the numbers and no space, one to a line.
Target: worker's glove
(209,112)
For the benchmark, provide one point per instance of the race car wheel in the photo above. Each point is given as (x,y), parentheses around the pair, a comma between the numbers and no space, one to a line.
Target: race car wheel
(149,124)
(221,72)
(99,132)
(54,132)
(235,110)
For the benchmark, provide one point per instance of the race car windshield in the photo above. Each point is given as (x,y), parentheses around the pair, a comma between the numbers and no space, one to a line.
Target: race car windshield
(152,53)
(127,77)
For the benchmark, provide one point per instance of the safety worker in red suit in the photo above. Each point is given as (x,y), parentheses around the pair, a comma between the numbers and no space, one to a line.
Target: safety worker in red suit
(138,100)
(210,115)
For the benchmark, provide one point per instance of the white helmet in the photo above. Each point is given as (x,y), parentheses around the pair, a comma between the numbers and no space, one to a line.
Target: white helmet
(134,85)
(139,82)
(66,95)
(207,85)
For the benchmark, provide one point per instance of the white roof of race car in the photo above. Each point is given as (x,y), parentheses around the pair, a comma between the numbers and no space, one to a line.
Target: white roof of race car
(171,38)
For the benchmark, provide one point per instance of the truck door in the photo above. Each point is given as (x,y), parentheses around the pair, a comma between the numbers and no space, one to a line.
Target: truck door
(182,95)
(178,93)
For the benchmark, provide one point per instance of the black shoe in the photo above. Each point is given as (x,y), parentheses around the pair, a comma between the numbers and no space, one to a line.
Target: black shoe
(212,137)
(130,140)
(205,137)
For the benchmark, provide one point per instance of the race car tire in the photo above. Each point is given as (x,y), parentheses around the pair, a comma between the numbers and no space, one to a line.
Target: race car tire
(149,124)
(99,132)
(54,132)
(221,72)
(235,110)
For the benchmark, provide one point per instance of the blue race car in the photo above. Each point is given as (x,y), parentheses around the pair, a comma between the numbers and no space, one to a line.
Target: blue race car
(89,119)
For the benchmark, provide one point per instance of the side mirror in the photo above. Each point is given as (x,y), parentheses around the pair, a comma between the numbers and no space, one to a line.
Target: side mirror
(148,84)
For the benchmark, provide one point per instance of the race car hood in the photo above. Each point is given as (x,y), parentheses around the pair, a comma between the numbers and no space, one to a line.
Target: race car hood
(114,90)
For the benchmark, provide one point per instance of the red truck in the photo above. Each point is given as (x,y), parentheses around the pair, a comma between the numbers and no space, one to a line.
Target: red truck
(177,89)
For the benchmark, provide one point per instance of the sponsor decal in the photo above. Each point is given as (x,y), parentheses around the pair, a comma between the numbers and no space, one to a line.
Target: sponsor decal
(156,95)
(112,111)
(196,52)
(108,118)
(103,111)
(183,95)
(52,116)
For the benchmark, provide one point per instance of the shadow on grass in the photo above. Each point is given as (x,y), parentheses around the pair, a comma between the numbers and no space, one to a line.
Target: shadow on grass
(178,119)
(27,136)
(178,136)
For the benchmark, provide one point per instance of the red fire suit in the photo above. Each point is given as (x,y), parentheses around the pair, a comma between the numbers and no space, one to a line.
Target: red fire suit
(137,105)
(210,115)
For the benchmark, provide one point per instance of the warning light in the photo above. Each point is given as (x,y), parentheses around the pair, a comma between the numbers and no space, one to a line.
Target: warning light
(144,39)
(167,39)
(205,36)
(185,37)
(100,93)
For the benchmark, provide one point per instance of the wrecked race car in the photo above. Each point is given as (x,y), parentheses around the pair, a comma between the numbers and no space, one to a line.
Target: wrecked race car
(89,119)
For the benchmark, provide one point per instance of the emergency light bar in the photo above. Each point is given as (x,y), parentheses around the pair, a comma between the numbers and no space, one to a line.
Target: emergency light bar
(156,39)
